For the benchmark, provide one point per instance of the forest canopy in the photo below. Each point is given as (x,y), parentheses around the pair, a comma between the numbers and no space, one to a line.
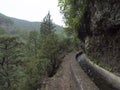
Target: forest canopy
(27,58)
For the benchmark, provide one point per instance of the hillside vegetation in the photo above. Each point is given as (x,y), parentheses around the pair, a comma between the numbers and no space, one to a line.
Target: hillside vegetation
(23,24)
(27,57)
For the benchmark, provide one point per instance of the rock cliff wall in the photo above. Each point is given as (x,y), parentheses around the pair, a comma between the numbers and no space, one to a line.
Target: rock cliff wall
(104,24)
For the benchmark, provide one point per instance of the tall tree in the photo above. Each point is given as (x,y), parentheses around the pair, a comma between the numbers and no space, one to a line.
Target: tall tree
(46,26)
(33,43)
(49,42)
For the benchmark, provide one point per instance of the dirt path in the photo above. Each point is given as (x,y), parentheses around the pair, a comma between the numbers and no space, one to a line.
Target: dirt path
(64,78)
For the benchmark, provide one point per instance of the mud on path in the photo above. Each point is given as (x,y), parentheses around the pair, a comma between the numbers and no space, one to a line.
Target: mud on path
(64,79)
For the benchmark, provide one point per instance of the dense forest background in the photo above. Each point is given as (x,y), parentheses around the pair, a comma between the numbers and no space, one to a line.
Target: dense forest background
(31,52)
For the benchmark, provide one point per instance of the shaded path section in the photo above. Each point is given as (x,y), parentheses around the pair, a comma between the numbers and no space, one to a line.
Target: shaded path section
(70,76)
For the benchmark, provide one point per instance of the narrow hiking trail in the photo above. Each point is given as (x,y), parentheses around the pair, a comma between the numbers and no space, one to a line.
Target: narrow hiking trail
(69,76)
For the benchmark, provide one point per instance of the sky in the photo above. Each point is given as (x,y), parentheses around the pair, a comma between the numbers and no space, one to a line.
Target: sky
(31,10)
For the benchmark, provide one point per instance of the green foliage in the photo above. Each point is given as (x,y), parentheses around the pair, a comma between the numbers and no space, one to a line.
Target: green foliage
(42,52)
(10,61)
(23,66)
(23,34)
(33,74)
(108,68)
(51,50)
(49,42)
(36,70)
(2,31)
(46,26)
(96,61)
(33,43)
(73,11)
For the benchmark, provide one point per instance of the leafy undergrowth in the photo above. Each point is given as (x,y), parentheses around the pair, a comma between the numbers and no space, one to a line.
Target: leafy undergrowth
(97,62)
